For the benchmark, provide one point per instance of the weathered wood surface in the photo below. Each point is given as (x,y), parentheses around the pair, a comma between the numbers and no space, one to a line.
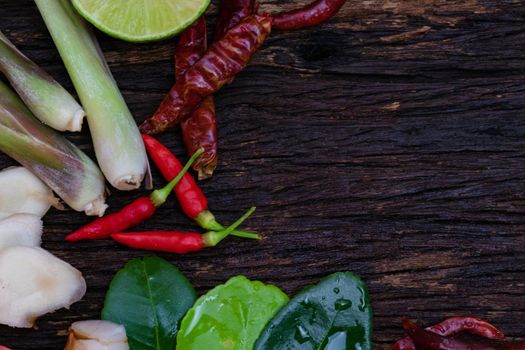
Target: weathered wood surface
(389,142)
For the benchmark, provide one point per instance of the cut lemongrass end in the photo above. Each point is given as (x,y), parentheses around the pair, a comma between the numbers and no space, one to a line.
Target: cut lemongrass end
(75,123)
(69,172)
(43,95)
(116,138)
(97,207)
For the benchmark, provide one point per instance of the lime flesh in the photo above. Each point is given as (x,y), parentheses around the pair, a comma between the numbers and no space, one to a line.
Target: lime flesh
(141,20)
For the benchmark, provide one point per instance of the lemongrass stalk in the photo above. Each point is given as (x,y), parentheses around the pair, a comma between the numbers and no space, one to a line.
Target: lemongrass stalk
(118,144)
(57,162)
(45,97)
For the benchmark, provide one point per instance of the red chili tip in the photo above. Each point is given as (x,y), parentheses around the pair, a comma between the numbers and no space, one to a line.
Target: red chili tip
(72,237)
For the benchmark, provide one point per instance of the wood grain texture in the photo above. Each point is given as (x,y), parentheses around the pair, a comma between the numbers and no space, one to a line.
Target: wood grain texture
(389,142)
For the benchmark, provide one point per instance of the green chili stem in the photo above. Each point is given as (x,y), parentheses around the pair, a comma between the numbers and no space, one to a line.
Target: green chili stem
(159,197)
(212,238)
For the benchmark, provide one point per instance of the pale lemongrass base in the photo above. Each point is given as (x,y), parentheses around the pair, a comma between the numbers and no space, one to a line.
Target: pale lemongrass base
(128,182)
(97,207)
(75,124)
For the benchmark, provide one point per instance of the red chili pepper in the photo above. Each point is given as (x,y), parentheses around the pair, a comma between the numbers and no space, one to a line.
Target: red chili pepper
(132,214)
(454,325)
(311,15)
(427,340)
(174,241)
(200,129)
(192,201)
(232,12)
(223,60)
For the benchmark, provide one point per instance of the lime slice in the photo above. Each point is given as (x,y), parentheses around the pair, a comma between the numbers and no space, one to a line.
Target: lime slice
(141,20)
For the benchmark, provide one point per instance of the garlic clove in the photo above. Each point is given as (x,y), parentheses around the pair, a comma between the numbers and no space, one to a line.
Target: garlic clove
(34,282)
(97,335)
(21,230)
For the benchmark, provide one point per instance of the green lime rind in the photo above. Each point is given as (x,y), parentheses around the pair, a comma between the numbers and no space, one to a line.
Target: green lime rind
(117,29)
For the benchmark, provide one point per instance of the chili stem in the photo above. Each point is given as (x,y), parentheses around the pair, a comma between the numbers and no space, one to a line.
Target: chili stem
(158,197)
(212,238)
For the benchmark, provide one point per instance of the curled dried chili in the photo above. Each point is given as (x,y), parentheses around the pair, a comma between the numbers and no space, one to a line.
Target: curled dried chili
(311,15)
(200,128)
(222,61)
(455,325)
(427,340)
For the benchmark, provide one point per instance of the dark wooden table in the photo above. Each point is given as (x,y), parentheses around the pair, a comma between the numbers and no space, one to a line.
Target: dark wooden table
(389,142)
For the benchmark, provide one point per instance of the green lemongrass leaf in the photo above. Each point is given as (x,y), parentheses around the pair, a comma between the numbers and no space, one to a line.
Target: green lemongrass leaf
(149,297)
(332,315)
(46,98)
(57,162)
(116,137)
(19,145)
(230,316)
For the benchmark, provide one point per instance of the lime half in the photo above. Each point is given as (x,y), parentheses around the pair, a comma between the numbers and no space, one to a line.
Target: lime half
(141,20)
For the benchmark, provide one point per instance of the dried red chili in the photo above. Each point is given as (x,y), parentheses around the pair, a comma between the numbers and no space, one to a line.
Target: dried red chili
(200,129)
(232,12)
(191,199)
(175,241)
(427,340)
(454,325)
(311,15)
(221,62)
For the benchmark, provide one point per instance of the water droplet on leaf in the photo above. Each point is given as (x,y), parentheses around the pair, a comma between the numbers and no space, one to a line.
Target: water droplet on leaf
(343,304)
(301,334)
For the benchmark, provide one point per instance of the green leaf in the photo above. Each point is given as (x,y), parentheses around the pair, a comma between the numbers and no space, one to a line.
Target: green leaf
(332,315)
(149,297)
(230,316)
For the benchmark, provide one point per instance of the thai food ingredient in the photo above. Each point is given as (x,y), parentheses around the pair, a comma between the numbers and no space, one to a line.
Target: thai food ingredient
(97,335)
(132,214)
(57,162)
(311,15)
(23,192)
(190,196)
(175,241)
(116,138)
(34,282)
(42,94)
(21,230)
(223,60)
